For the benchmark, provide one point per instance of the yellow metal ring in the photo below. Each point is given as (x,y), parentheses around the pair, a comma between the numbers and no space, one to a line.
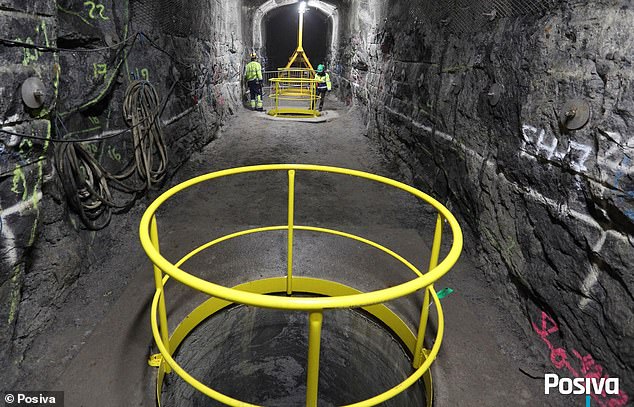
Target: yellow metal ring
(208,391)
(300,303)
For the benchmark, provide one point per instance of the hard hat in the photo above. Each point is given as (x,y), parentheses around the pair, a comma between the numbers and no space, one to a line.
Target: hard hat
(320,68)
(254,55)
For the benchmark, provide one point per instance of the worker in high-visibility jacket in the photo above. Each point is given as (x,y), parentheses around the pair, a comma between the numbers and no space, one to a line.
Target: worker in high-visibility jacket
(323,84)
(253,76)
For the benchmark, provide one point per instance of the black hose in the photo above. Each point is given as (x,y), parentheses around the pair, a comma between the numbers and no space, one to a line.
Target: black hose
(87,184)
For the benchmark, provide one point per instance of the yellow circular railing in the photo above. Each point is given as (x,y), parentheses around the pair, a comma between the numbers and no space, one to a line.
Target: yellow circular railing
(331,294)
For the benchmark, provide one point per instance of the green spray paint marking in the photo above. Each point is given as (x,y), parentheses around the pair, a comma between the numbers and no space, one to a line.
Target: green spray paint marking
(38,185)
(100,70)
(72,13)
(26,142)
(94,7)
(34,228)
(15,291)
(90,147)
(101,95)
(88,130)
(43,25)
(18,176)
(48,138)
(30,55)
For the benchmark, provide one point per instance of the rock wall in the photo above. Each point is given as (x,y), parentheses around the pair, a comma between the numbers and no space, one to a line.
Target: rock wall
(23,162)
(549,210)
(190,52)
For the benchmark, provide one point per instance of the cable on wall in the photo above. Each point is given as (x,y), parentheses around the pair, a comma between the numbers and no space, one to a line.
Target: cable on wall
(141,109)
(87,184)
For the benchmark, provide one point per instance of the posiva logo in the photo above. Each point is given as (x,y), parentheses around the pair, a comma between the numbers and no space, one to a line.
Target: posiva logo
(581,385)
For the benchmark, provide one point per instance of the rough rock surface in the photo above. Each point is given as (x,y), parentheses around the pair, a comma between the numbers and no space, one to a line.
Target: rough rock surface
(194,62)
(549,210)
(22,161)
(550,206)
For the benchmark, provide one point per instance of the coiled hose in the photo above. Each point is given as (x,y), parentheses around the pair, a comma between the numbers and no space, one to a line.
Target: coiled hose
(141,110)
(87,183)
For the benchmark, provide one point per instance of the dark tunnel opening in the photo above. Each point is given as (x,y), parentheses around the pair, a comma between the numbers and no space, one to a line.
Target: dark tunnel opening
(280,28)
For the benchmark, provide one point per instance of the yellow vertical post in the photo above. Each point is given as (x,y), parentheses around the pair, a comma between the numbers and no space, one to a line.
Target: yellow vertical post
(424,314)
(315,320)
(313,97)
(277,97)
(300,32)
(435,249)
(422,327)
(291,216)
(158,280)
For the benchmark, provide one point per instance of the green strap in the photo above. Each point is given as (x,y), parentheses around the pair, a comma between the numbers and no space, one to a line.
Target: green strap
(444,292)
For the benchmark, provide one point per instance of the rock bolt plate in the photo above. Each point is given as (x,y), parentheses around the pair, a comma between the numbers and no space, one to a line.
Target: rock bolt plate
(33,92)
(575,114)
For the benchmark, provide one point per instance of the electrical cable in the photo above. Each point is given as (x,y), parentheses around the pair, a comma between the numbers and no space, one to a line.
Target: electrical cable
(57,140)
(27,164)
(87,183)
(141,110)
(84,185)
(45,48)
(109,82)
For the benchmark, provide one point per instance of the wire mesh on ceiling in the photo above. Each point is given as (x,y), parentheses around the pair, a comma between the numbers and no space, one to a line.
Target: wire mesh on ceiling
(182,18)
(468,15)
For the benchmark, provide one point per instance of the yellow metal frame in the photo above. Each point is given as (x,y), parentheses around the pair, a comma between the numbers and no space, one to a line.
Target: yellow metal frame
(298,89)
(255,293)
(299,57)
(295,82)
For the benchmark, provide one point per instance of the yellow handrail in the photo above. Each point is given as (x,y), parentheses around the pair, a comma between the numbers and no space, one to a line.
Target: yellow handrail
(343,297)
(291,220)
(298,89)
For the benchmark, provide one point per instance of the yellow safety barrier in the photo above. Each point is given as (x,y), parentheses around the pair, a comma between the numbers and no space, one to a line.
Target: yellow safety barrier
(327,294)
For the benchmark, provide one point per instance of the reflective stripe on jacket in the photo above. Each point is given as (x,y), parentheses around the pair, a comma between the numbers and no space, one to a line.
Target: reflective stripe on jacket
(253,71)
(323,82)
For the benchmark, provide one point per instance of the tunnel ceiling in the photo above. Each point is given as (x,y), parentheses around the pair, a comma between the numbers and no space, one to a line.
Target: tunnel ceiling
(468,15)
(460,15)
(181,18)
(258,3)
(504,8)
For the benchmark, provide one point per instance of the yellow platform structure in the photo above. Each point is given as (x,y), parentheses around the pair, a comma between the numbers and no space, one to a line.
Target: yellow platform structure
(295,91)
(294,94)
(323,294)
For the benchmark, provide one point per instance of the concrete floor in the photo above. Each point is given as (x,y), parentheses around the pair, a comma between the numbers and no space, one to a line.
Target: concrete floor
(482,350)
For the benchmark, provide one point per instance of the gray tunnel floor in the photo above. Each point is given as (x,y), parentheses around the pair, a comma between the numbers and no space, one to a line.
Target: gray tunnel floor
(482,350)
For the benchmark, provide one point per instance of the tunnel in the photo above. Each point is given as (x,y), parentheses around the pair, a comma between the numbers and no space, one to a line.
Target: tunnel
(280,38)
(455,226)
